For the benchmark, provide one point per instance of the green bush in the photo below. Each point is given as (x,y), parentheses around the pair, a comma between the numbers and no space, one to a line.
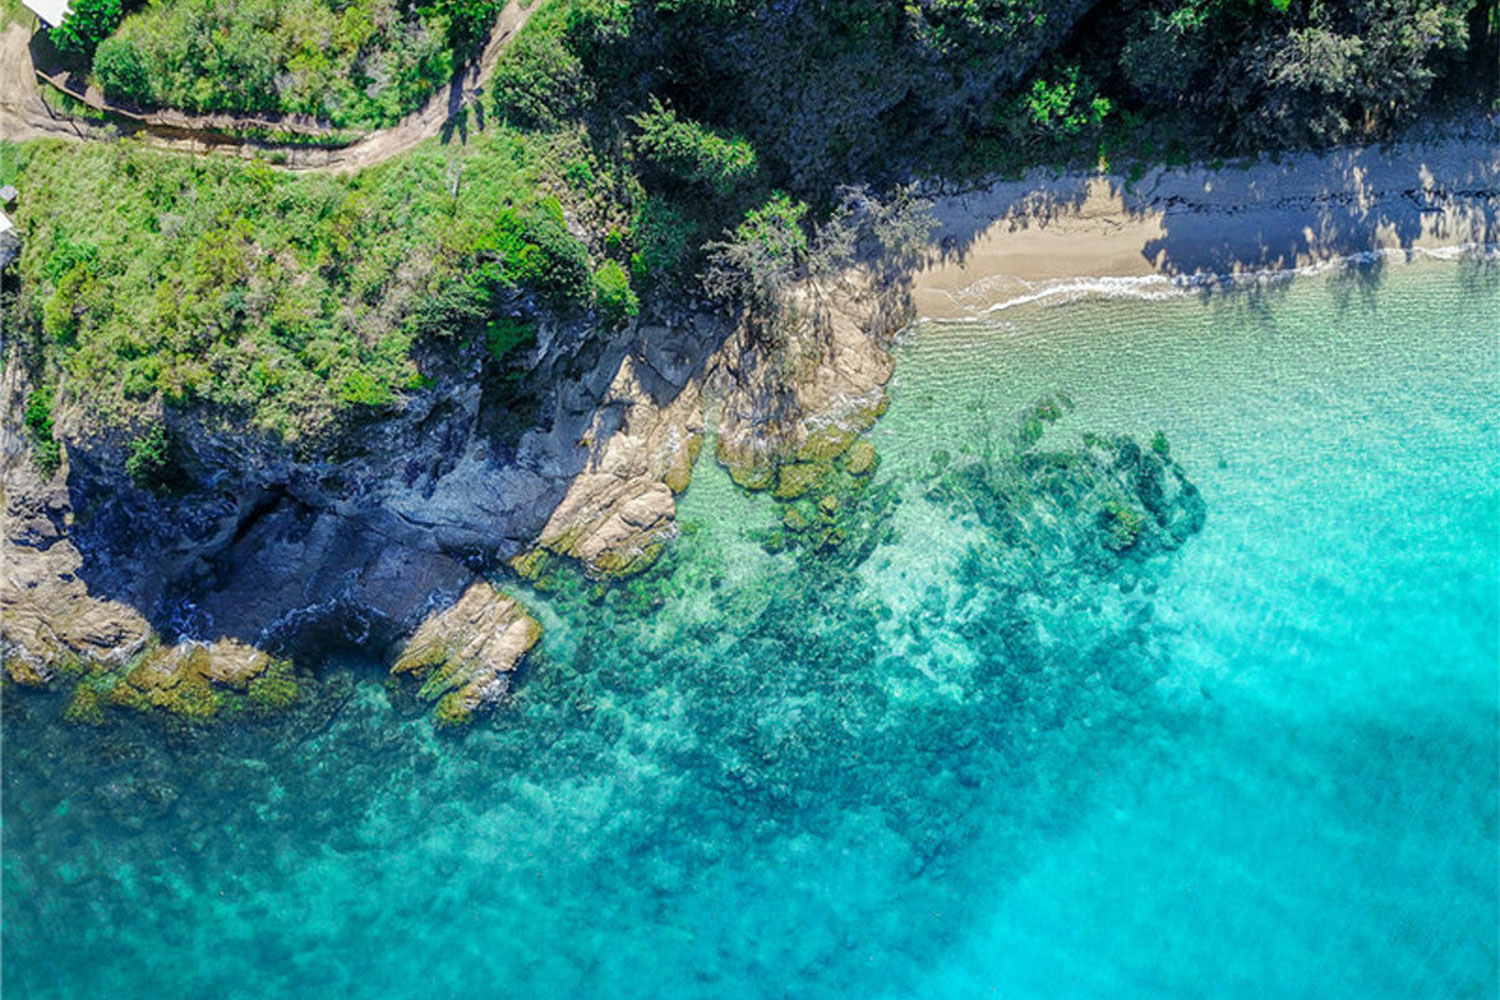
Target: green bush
(688,152)
(468,22)
(149,457)
(121,71)
(352,64)
(359,388)
(1049,112)
(775,229)
(88,23)
(616,299)
(763,255)
(45,448)
(536,251)
(503,336)
(540,82)
(663,237)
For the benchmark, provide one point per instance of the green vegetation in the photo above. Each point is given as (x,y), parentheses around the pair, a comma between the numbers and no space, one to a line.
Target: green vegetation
(358,64)
(150,457)
(282,299)
(618,303)
(504,335)
(622,150)
(45,448)
(686,151)
(88,23)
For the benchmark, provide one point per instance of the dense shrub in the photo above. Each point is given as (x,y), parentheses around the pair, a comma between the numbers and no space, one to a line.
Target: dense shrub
(88,23)
(535,251)
(121,71)
(149,457)
(763,255)
(358,65)
(617,301)
(689,152)
(45,448)
(540,82)
(280,298)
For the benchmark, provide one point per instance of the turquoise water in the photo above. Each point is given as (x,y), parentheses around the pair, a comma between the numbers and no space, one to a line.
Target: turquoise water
(970,752)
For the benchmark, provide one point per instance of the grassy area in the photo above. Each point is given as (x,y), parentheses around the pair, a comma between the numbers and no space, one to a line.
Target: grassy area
(14,12)
(283,298)
(66,104)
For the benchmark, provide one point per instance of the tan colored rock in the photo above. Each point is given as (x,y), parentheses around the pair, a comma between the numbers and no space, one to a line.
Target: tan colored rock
(620,511)
(47,614)
(808,398)
(466,653)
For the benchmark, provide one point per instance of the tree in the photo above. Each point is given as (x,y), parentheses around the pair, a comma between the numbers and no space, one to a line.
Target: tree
(121,72)
(87,24)
(687,151)
(762,256)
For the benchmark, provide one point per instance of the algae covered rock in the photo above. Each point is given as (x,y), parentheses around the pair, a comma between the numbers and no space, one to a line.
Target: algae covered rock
(796,478)
(860,458)
(191,679)
(465,654)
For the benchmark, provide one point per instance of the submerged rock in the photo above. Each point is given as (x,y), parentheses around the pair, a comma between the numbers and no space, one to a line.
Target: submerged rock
(465,654)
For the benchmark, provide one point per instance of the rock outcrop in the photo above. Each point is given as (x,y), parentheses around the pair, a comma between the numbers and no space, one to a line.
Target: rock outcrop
(465,654)
(803,401)
(265,550)
(619,511)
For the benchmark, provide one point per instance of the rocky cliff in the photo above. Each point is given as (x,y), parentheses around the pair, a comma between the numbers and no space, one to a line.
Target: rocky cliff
(389,530)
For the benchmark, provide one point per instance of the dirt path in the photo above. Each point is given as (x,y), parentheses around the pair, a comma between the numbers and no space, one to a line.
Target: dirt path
(24,115)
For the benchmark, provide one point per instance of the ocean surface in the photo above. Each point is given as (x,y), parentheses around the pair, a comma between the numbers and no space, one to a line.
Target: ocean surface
(954,756)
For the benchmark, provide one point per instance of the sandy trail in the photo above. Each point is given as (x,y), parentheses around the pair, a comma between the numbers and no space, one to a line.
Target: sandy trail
(24,115)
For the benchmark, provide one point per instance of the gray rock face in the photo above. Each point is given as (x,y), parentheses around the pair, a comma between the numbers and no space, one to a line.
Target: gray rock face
(290,547)
(358,540)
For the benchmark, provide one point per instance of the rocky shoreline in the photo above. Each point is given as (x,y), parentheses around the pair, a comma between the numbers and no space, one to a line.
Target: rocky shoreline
(263,550)
(391,537)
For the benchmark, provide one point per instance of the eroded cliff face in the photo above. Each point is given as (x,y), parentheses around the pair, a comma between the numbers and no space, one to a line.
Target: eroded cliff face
(383,540)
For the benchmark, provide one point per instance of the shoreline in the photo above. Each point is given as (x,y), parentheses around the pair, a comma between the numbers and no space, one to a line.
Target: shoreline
(1044,235)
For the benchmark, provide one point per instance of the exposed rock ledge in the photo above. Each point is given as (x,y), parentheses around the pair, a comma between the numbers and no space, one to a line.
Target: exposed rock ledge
(465,654)
(306,555)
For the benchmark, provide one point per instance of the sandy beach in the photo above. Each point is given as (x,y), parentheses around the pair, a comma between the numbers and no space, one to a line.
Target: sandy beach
(1045,234)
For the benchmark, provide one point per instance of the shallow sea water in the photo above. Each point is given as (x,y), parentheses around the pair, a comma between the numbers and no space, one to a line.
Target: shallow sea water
(1265,764)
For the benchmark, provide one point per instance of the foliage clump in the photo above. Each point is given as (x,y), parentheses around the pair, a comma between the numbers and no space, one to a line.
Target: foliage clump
(149,458)
(357,65)
(617,301)
(278,299)
(685,151)
(87,24)
(46,450)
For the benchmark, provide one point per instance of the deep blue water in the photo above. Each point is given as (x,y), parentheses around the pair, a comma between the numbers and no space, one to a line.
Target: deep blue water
(1262,765)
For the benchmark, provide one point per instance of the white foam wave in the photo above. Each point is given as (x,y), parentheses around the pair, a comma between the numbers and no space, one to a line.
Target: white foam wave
(999,293)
